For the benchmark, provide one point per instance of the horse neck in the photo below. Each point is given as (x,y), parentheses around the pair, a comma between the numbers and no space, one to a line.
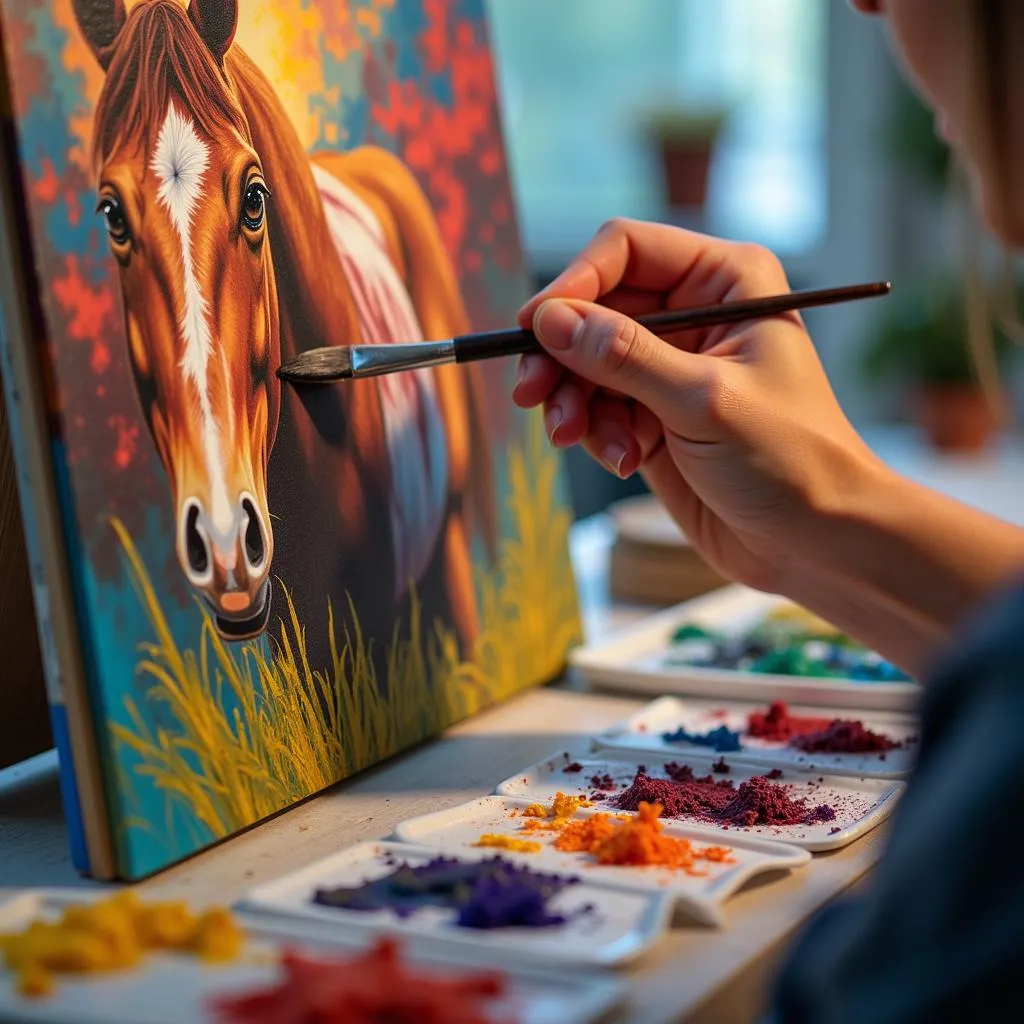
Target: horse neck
(315,302)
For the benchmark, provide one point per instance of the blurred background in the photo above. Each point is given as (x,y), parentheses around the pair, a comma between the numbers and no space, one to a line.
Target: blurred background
(778,121)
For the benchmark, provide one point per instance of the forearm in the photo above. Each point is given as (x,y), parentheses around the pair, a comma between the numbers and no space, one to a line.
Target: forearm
(900,566)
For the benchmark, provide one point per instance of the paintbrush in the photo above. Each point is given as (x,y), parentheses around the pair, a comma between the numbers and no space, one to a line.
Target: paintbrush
(352,362)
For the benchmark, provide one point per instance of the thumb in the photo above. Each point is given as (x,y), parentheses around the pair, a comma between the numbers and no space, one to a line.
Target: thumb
(614,352)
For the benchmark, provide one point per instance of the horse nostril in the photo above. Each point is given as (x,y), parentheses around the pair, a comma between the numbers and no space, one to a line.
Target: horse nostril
(195,545)
(254,547)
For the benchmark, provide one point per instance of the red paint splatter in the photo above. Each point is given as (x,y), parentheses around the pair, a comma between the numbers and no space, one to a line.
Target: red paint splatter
(90,309)
(127,441)
(45,188)
(74,207)
(490,161)
(100,358)
(455,148)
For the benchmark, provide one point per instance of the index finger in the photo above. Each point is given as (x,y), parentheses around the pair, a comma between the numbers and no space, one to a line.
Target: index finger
(635,254)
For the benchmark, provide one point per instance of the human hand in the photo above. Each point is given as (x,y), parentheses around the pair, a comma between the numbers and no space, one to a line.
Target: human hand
(735,428)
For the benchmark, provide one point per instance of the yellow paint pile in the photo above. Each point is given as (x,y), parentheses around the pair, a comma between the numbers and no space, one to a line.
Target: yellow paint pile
(114,934)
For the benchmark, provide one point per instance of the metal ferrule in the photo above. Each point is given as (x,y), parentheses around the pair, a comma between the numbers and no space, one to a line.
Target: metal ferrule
(374,360)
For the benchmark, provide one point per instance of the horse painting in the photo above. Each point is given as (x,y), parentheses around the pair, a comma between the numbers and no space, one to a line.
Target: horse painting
(235,250)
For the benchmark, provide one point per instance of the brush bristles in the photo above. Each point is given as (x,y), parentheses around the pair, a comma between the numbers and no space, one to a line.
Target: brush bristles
(318,364)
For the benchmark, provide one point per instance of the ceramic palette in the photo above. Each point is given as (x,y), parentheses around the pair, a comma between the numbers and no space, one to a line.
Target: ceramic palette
(169,989)
(642,659)
(859,804)
(643,733)
(455,830)
(619,926)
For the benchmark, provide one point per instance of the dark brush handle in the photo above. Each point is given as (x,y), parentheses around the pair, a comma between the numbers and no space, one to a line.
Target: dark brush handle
(516,341)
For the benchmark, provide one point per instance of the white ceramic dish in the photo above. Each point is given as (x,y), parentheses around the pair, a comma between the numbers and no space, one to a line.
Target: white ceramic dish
(859,804)
(634,659)
(456,829)
(643,733)
(169,989)
(623,926)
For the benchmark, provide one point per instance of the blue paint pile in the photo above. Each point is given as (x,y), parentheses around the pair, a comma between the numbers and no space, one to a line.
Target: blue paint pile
(721,739)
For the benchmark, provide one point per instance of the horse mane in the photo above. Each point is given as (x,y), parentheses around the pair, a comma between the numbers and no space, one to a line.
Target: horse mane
(159,55)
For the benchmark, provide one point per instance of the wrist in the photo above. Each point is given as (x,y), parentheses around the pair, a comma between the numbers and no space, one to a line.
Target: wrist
(893,545)
(842,508)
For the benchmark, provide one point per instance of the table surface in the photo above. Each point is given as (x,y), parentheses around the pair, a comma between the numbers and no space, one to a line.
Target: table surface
(695,974)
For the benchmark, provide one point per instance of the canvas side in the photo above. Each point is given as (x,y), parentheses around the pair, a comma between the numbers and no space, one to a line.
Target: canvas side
(20,346)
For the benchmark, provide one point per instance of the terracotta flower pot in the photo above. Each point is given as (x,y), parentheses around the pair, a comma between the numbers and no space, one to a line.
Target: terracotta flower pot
(956,417)
(686,164)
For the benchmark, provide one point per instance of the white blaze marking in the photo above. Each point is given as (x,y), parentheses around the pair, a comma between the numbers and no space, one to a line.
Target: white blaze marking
(180,162)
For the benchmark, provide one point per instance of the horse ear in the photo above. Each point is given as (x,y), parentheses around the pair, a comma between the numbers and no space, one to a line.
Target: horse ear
(100,21)
(215,21)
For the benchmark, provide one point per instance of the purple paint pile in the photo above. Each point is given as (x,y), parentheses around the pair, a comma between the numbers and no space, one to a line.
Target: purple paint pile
(486,894)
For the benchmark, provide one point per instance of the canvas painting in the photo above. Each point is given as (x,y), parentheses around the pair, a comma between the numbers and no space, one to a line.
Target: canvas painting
(279,586)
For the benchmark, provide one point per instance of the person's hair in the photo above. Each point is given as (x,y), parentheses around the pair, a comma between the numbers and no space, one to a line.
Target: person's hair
(990,308)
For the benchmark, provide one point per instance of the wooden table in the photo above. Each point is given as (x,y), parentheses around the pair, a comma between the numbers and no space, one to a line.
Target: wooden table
(695,974)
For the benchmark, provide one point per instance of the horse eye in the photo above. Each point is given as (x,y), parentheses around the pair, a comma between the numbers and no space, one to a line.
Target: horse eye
(117,225)
(254,207)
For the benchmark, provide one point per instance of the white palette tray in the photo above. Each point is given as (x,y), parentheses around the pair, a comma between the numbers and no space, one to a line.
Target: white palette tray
(643,731)
(623,925)
(168,989)
(860,804)
(455,829)
(633,659)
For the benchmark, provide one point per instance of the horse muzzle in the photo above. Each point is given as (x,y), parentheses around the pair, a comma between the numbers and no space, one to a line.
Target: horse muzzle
(247,623)
(227,561)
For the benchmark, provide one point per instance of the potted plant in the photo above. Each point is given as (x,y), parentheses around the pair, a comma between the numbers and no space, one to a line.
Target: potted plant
(685,141)
(922,342)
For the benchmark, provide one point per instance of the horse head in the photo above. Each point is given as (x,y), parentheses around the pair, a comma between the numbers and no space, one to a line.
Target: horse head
(185,203)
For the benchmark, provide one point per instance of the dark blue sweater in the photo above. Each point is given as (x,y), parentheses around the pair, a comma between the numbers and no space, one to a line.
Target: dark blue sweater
(939,933)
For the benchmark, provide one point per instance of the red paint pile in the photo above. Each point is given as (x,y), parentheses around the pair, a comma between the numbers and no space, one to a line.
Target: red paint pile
(817,735)
(755,802)
(368,988)
(778,725)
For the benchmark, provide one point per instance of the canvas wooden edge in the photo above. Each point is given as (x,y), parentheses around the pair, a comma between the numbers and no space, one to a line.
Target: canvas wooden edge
(15,281)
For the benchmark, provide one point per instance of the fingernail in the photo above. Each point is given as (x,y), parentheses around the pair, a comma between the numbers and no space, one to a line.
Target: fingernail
(521,374)
(556,323)
(552,421)
(613,456)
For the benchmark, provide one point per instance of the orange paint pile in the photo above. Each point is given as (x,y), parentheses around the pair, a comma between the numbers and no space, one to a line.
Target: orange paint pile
(370,988)
(113,934)
(636,842)
(553,818)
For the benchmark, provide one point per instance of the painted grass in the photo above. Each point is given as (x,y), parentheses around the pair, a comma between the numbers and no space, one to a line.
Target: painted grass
(246,732)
